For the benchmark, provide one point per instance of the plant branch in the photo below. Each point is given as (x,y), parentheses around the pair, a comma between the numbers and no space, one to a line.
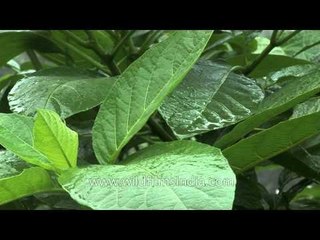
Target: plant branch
(273,43)
(157,128)
(34,59)
(149,40)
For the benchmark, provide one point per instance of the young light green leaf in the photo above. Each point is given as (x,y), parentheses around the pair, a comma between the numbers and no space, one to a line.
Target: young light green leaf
(294,92)
(30,181)
(250,151)
(10,164)
(55,140)
(173,175)
(16,136)
(66,91)
(210,97)
(139,91)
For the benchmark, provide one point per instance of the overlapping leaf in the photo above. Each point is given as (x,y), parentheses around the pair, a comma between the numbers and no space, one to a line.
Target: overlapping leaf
(141,88)
(210,97)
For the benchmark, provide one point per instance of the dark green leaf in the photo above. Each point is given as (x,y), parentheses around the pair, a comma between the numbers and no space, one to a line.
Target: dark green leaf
(210,97)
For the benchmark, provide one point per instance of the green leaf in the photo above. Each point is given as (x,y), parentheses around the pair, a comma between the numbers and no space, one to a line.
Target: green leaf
(16,136)
(10,164)
(210,97)
(66,91)
(173,175)
(308,39)
(55,140)
(250,151)
(30,181)
(139,91)
(270,63)
(308,107)
(14,43)
(294,92)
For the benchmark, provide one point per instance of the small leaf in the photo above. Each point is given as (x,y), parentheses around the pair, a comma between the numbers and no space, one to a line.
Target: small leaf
(140,89)
(210,97)
(55,140)
(30,181)
(16,136)
(66,91)
(173,175)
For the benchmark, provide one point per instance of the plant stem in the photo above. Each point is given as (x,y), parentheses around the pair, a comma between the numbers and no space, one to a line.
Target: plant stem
(152,37)
(34,59)
(159,130)
(273,43)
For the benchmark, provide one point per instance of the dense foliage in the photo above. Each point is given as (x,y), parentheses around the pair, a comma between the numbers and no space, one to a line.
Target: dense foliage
(152,119)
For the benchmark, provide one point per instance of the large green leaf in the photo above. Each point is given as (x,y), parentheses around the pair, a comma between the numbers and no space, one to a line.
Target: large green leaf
(30,181)
(294,92)
(259,147)
(66,91)
(16,136)
(139,91)
(10,164)
(174,175)
(14,43)
(55,140)
(210,97)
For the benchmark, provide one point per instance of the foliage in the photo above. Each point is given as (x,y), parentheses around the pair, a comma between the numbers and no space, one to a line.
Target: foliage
(152,119)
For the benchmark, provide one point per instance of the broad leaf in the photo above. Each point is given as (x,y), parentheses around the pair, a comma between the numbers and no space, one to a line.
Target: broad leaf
(14,43)
(30,181)
(55,140)
(174,175)
(294,92)
(66,91)
(16,136)
(10,164)
(139,91)
(250,151)
(210,97)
